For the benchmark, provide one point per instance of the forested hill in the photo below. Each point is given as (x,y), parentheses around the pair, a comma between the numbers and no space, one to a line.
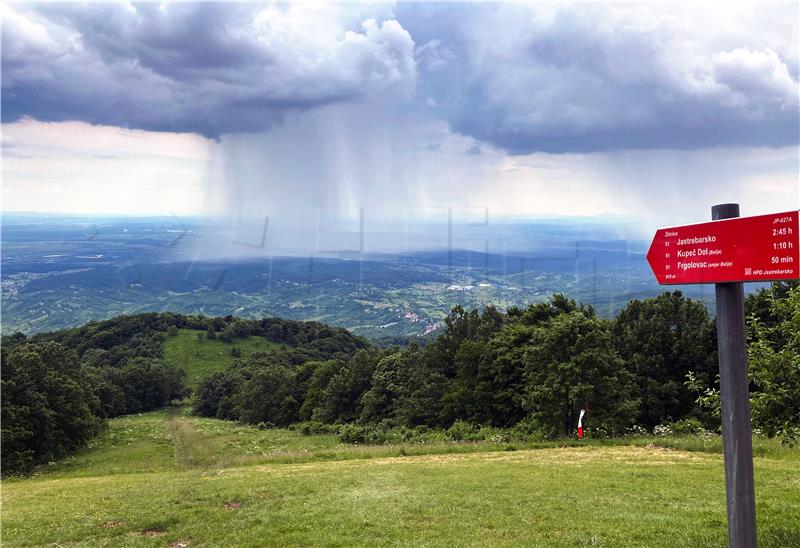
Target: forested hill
(58,387)
(533,369)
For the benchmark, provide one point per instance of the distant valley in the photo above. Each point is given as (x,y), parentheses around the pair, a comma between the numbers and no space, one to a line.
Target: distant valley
(63,272)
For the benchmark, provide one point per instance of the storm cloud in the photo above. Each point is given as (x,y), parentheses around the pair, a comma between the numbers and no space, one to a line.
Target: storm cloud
(588,78)
(204,68)
(520,78)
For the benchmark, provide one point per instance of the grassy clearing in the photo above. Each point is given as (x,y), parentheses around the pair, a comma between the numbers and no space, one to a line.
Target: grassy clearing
(130,444)
(202,358)
(164,477)
(611,496)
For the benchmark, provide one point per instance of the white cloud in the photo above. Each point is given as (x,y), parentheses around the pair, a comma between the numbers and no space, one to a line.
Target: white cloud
(578,78)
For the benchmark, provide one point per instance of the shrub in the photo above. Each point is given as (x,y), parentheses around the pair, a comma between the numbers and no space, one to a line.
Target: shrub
(687,426)
(528,429)
(353,433)
(310,428)
(463,431)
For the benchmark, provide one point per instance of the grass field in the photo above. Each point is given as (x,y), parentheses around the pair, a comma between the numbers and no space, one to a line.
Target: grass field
(169,479)
(202,358)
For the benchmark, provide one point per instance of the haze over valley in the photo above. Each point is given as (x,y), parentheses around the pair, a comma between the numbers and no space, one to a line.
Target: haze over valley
(62,271)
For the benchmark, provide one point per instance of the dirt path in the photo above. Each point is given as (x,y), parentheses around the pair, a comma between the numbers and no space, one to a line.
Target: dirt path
(193,449)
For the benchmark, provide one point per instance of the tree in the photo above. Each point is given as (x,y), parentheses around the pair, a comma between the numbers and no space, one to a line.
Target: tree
(661,340)
(339,400)
(226,335)
(215,395)
(500,382)
(388,397)
(269,396)
(761,308)
(462,400)
(774,365)
(148,384)
(571,360)
(557,305)
(316,385)
(47,407)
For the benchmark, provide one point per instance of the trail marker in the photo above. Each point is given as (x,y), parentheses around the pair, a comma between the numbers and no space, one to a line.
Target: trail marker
(745,249)
(726,252)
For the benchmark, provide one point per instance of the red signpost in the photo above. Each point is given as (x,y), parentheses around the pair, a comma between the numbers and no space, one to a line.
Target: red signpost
(728,251)
(742,249)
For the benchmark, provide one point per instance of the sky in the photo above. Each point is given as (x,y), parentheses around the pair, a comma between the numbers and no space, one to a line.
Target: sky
(294,112)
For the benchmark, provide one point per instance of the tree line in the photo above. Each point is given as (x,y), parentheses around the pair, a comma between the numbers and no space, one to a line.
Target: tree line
(541,364)
(654,364)
(530,368)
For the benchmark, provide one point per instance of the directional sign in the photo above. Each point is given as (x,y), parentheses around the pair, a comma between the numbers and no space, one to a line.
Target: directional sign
(745,249)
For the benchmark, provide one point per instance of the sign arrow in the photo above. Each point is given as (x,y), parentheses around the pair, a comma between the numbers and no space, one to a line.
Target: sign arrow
(744,249)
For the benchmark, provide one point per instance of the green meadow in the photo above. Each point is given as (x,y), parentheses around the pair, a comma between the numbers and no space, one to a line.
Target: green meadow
(167,478)
(202,357)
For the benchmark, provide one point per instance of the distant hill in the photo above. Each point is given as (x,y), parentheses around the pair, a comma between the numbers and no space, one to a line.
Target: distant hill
(198,342)
(64,272)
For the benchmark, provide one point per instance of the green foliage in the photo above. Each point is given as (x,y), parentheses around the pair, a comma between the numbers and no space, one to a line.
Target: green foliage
(761,308)
(661,340)
(708,397)
(499,380)
(147,384)
(215,395)
(390,396)
(201,359)
(336,387)
(687,426)
(774,365)
(312,428)
(47,406)
(54,403)
(571,361)
(538,366)
(463,431)
(269,396)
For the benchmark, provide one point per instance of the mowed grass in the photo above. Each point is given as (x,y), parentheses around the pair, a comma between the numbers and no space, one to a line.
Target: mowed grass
(166,477)
(202,358)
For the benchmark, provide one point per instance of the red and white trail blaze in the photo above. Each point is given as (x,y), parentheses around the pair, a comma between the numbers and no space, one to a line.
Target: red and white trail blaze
(580,423)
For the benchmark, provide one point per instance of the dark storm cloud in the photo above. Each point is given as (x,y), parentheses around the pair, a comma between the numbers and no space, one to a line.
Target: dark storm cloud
(551,78)
(205,68)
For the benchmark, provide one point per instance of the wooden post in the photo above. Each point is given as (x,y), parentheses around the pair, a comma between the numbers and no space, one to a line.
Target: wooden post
(734,390)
